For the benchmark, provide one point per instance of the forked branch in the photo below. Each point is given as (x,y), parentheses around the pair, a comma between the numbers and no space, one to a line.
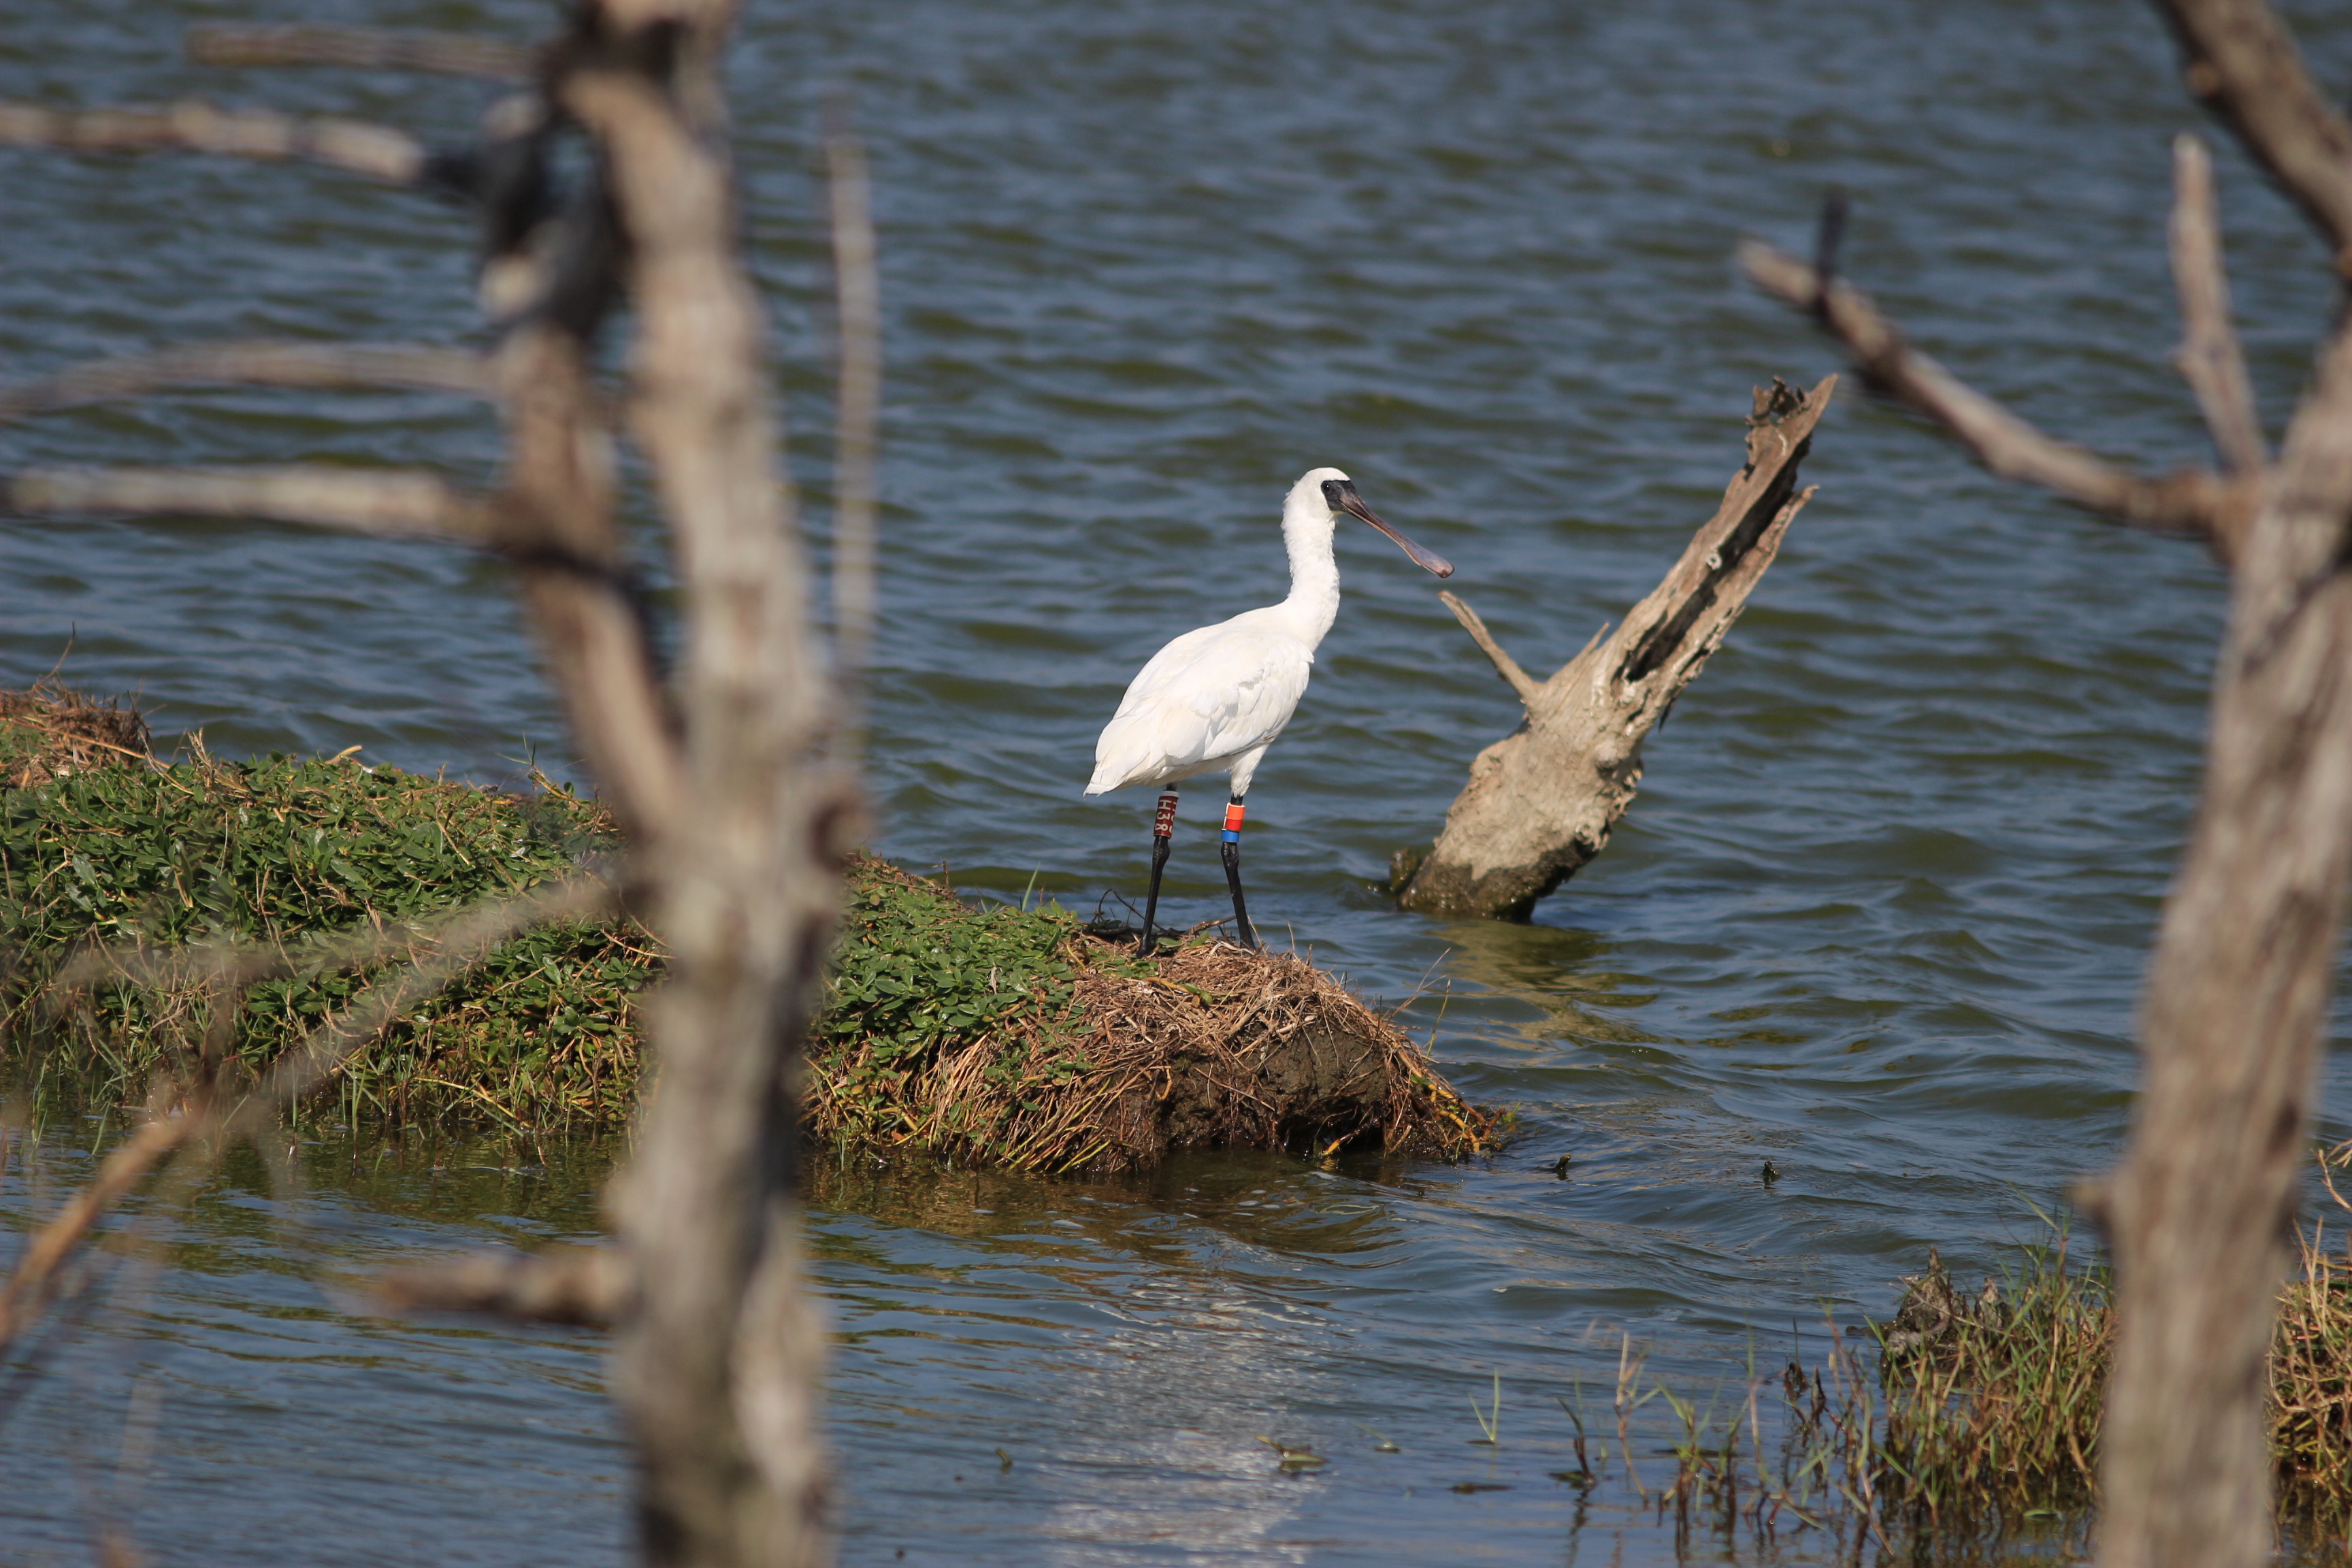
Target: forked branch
(2193,504)
(2209,358)
(1528,687)
(1543,800)
(379,151)
(2237,59)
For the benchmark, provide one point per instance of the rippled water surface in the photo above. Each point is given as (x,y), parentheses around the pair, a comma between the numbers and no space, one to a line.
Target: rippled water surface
(1878,914)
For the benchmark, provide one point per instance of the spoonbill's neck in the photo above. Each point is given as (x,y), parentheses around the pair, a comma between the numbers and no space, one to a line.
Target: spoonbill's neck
(1307,529)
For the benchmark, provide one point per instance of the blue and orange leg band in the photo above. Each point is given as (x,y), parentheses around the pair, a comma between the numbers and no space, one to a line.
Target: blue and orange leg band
(1233,822)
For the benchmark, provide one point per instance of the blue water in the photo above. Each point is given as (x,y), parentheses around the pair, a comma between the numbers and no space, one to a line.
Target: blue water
(1879,914)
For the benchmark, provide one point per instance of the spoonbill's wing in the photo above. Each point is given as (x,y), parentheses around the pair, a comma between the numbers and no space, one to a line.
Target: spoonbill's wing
(1203,699)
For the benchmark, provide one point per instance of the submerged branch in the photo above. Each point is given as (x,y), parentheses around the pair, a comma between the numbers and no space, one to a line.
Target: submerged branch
(1542,801)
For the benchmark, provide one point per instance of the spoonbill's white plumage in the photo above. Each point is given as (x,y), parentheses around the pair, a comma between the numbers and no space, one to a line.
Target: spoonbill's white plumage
(1214,699)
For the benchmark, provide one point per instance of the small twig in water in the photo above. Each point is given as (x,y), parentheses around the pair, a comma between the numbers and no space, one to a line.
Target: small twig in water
(1490,1423)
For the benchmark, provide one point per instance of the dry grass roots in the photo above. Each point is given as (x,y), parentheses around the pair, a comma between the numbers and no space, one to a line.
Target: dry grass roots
(996,1036)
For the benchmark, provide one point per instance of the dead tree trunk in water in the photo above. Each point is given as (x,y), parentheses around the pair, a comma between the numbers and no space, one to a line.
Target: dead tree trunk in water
(1543,800)
(2239,987)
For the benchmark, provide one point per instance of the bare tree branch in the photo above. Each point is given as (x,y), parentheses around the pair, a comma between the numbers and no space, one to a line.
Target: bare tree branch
(398,503)
(311,365)
(1519,680)
(32,1284)
(717,1339)
(444,54)
(858,415)
(557,1285)
(2232,1020)
(560,484)
(2209,358)
(2239,990)
(2191,504)
(2237,57)
(716,1357)
(375,150)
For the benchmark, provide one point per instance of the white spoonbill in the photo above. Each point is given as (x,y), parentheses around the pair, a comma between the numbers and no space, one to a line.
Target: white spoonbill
(1216,698)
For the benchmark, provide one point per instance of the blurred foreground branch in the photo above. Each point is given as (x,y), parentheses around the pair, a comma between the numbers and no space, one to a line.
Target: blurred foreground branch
(2238,991)
(317,365)
(375,150)
(559,1285)
(211,1110)
(394,504)
(738,827)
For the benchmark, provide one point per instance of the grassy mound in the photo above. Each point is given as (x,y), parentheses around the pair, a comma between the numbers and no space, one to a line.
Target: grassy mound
(981,1035)
(104,845)
(996,1036)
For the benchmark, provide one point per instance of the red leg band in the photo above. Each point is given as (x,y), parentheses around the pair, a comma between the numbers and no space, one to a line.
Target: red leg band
(1163,824)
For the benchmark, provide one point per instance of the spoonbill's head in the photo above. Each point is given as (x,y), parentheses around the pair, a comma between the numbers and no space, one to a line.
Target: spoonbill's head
(1337,492)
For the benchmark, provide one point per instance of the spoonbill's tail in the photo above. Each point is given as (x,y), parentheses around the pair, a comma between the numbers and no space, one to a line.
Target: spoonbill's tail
(1232,852)
(1163,827)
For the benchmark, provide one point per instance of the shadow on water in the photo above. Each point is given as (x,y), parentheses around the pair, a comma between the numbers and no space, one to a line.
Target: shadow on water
(1567,978)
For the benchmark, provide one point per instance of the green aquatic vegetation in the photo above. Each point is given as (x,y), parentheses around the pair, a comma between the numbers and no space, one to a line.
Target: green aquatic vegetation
(1291,1459)
(1490,1420)
(1993,1403)
(919,972)
(921,978)
(300,857)
(983,1033)
(1967,1424)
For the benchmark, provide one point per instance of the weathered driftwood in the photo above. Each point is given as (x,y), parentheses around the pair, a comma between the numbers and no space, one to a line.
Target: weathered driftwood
(2239,987)
(1541,801)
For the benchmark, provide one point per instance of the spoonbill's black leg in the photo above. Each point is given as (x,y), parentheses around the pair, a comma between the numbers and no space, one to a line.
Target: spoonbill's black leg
(1232,849)
(1163,827)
